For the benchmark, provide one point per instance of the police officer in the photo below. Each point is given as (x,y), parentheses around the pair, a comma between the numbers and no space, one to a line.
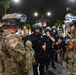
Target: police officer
(57,41)
(49,54)
(13,49)
(38,47)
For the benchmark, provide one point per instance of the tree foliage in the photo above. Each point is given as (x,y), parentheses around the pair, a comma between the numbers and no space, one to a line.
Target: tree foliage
(58,22)
(27,24)
(5,4)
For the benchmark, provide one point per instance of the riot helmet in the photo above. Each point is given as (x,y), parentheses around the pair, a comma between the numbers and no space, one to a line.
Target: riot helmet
(47,29)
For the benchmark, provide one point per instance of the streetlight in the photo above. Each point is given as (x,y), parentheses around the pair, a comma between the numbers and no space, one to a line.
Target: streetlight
(43,19)
(72,0)
(36,14)
(48,14)
(16,1)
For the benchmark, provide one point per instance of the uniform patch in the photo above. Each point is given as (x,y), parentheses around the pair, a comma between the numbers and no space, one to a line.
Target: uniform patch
(21,47)
(14,43)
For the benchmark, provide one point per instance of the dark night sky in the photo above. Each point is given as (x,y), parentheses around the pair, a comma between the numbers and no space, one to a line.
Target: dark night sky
(56,7)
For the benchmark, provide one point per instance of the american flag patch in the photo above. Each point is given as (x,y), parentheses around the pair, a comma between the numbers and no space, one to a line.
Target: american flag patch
(14,43)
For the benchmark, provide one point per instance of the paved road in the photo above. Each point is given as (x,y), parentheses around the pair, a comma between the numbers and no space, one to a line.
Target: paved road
(60,69)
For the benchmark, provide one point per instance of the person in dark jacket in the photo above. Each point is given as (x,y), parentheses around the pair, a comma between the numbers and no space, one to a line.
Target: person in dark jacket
(56,43)
(48,40)
(38,47)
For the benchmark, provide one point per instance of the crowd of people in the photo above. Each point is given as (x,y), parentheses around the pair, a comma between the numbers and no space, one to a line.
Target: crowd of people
(33,54)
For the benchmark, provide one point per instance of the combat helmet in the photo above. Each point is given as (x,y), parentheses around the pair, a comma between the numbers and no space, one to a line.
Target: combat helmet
(9,19)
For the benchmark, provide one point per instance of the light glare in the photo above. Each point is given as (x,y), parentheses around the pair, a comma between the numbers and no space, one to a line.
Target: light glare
(72,0)
(16,1)
(48,14)
(35,14)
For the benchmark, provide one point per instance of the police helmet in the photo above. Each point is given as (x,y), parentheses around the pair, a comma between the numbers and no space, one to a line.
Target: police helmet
(36,26)
(48,29)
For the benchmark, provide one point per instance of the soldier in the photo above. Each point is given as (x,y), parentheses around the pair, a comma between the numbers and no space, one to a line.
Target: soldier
(30,60)
(73,34)
(1,31)
(12,48)
(70,54)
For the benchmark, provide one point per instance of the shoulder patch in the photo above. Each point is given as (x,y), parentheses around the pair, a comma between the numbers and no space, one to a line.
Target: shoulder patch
(14,43)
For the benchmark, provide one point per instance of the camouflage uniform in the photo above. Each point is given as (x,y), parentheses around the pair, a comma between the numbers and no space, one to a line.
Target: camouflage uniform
(29,56)
(14,50)
(70,56)
(74,45)
(13,58)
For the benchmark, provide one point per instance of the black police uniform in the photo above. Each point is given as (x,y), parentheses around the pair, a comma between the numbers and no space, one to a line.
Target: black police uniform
(39,53)
(49,54)
(56,47)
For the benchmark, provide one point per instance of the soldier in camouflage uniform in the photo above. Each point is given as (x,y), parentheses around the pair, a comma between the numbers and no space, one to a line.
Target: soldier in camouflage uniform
(70,54)
(1,31)
(13,61)
(30,60)
(73,34)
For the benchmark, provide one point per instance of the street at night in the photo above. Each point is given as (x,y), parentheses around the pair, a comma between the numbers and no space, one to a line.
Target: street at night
(37,37)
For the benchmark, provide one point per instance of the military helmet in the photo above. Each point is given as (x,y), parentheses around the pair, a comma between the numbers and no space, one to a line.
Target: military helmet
(9,16)
(9,19)
(36,26)
(47,29)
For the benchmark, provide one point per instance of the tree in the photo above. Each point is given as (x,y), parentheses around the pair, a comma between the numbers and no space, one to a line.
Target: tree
(5,4)
(70,10)
(27,25)
(1,11)
(58,22)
